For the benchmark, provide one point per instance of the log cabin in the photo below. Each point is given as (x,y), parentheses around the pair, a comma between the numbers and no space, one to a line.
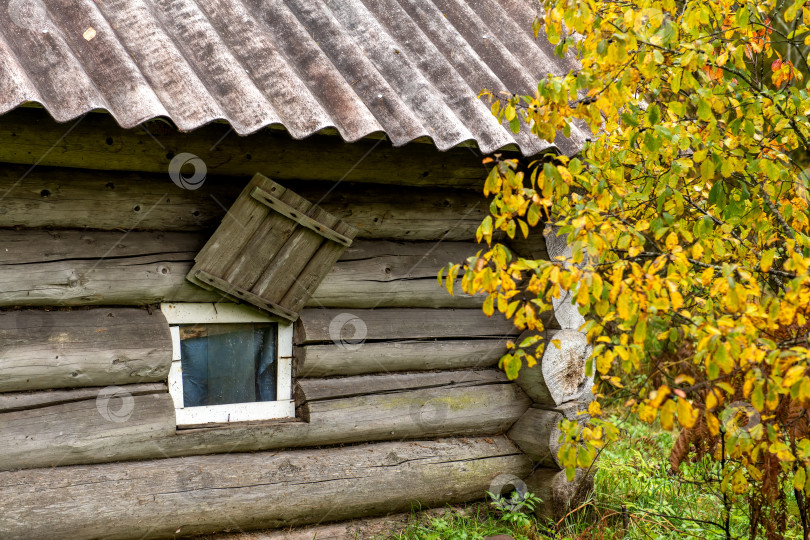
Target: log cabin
(221,223)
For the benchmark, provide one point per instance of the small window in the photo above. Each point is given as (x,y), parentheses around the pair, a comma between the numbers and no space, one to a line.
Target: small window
(231,363)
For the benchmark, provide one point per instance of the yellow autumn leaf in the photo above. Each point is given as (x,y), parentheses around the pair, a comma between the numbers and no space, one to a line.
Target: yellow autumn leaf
(667,415)
(687,416)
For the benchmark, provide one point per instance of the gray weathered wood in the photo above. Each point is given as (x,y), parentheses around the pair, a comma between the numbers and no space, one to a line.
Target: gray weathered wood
(69,267)
(341,327)
(156,499)
(311,390)
(388,267)
(537,434)
(303,220)
(560,376)
(114,425)
(415,413)
(80,199)
(558,494)
(300,291)
(18,401)
(97,142)
(90,347)
(391,356)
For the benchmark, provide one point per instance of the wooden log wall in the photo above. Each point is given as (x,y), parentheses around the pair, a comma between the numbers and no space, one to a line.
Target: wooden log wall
(86,386)
(97,142)
(86,199)
(88,347)
(98,425)
(77,268)
(187,496)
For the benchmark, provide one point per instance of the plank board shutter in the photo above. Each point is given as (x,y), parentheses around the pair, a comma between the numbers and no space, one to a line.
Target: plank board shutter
(272,249)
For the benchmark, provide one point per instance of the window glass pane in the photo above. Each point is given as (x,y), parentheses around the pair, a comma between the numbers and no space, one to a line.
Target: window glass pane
(228,363)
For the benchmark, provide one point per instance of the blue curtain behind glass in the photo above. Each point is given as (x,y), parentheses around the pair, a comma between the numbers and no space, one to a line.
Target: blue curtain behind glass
(229,363)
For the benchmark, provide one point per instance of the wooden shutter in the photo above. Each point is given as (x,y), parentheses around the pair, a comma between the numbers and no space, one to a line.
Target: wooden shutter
(272,249)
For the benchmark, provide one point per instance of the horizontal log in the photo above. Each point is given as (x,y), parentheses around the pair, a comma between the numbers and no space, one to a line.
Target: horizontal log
(395,272)
(392,356)
(560,376)
(114,425)
(69,267)
(205,494)
(18,401)
(87,199)
(308,391)
(537,434)
(89,347)
(350,329)
(97,142)
(418,413)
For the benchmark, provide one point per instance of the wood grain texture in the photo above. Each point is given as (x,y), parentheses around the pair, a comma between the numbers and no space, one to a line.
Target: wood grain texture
(196,495)
(401,409)
(559,496)
(69,267)
(97,142)
(537,434)
(18,401)
(89,347)
(392,356)
(346,328)
(394,271)
(82,199)
(560,376)
(112,426)
(312,390)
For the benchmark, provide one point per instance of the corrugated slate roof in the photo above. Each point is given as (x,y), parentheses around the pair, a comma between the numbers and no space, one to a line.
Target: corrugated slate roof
(408,68)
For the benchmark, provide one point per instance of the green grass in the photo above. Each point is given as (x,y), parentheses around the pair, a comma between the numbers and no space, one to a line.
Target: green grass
(632,472)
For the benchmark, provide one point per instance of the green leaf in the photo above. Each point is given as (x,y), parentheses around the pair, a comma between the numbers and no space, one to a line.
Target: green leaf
(716,195)
(653,114)
(629,119)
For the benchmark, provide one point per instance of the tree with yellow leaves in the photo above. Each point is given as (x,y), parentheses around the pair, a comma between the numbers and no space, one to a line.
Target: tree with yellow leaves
(687,214)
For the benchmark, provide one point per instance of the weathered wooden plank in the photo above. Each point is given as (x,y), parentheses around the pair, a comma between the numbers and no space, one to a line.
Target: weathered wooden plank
(312,274)
(94,347)
(18,401)
(114,425)
(560,376)
(238,228)
(339,327)
(267,240)
(156,499)
(537,434)
(416,413)
(302,219)
(238,294)
(311,390)
(298,249)
(387,267)
(69,267)
(420,413)
(392,356)
(97,142)
(97,267)
(80,199)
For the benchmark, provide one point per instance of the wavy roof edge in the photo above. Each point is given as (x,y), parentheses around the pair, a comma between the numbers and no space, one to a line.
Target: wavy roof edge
(409,69)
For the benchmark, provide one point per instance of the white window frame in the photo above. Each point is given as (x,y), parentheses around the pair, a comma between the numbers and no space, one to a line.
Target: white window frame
(221,313)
